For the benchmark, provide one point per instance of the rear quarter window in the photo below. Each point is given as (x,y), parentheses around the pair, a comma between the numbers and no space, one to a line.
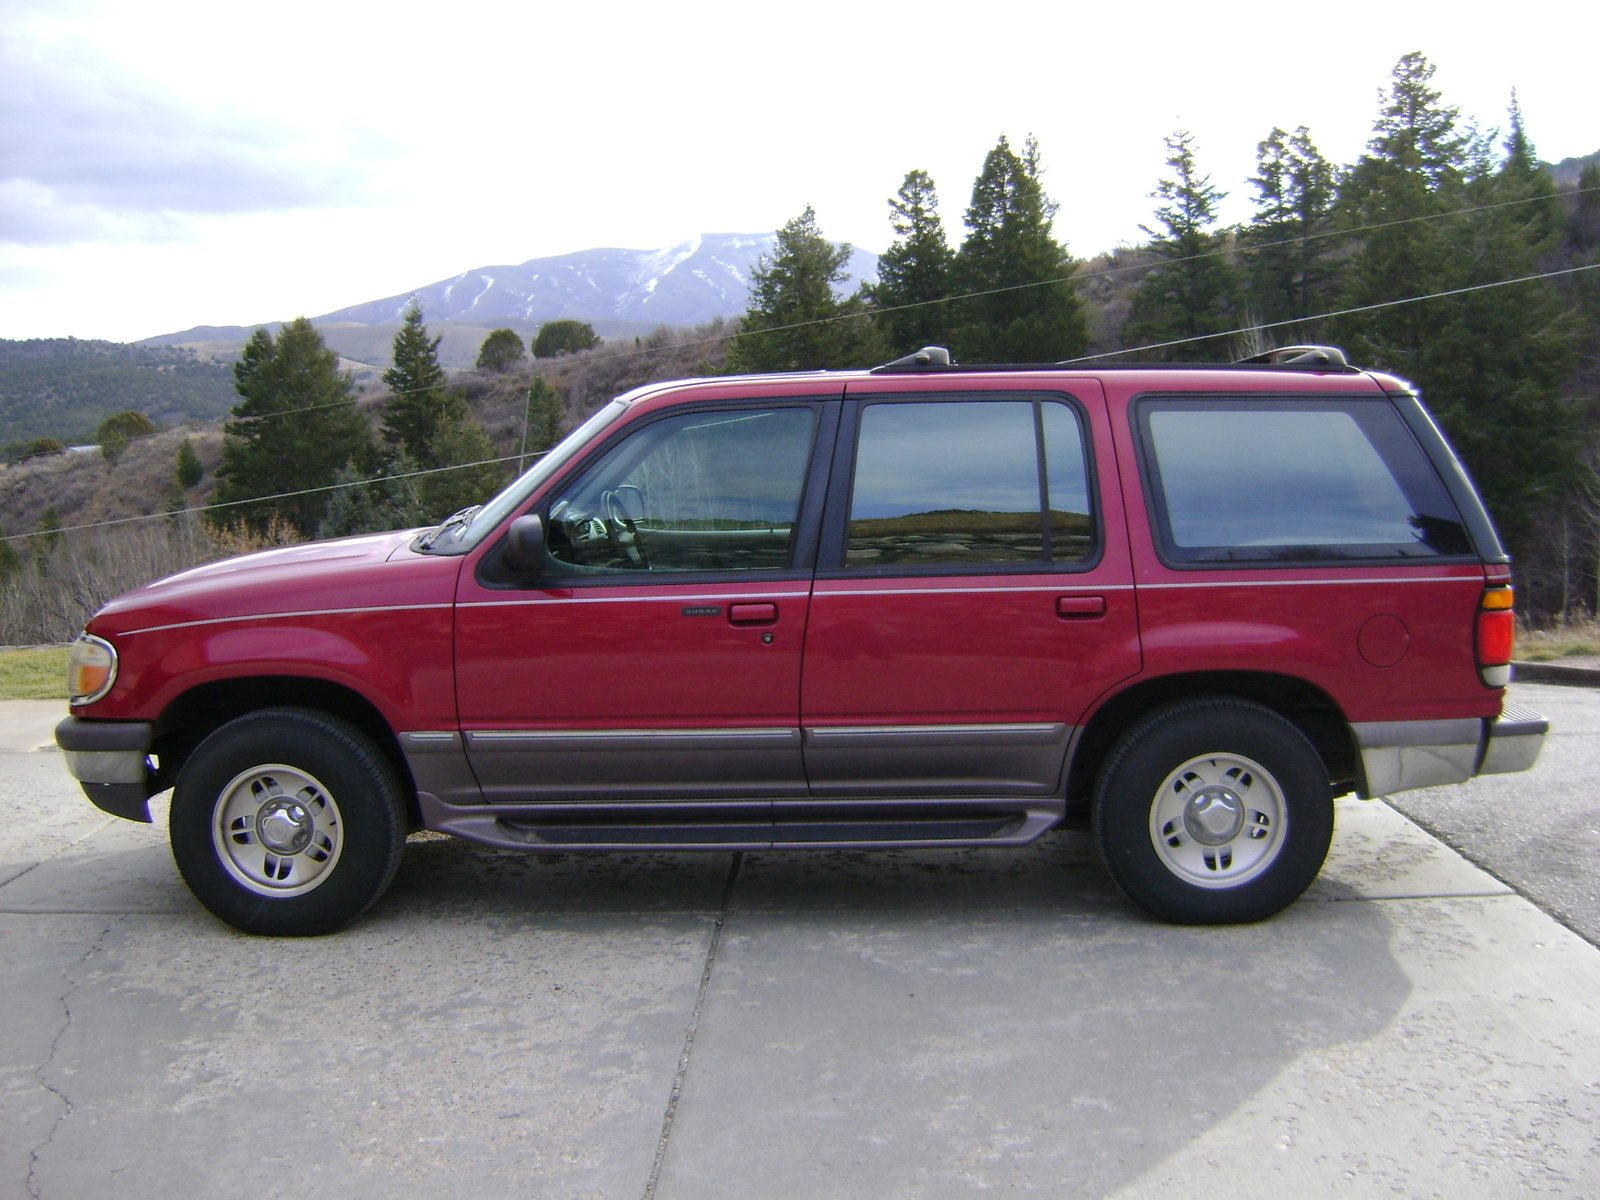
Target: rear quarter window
(1292,481)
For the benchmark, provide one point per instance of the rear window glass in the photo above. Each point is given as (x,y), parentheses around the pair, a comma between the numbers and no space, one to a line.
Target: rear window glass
(1293,481)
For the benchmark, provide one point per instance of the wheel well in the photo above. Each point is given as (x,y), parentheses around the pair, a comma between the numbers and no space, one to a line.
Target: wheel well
(1310,708)
(193,716)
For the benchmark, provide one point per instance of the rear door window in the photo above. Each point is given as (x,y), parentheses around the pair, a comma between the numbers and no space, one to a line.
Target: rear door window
(1292,481)
(969,483)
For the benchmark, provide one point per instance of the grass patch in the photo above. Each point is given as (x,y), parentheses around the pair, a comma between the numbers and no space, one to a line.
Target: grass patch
(37,673)
(1569,639)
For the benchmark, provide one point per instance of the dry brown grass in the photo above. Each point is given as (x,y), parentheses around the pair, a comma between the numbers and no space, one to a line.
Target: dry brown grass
(1563,639)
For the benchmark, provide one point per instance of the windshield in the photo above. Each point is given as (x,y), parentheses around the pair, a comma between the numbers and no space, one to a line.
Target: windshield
(457,537)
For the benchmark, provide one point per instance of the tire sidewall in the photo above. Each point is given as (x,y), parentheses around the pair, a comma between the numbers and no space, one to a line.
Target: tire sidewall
(356,776)
(1141,762)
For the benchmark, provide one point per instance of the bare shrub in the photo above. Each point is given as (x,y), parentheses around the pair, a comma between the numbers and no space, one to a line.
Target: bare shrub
(50,595)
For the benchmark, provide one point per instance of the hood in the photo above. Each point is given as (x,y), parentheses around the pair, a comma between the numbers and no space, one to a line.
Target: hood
(348,574)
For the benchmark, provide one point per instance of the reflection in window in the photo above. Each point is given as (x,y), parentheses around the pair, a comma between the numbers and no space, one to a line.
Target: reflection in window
(959,483)
(1262,480)
(706,491)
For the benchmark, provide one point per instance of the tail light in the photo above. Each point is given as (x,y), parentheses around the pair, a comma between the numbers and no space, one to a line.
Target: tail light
(1497,631)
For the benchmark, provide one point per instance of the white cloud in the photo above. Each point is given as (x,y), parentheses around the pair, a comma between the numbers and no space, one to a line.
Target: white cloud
(95,152)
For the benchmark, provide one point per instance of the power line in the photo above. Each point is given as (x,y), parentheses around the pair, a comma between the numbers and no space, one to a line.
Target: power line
(1067,362)
(1343,312)
(1083,277)
(331,487)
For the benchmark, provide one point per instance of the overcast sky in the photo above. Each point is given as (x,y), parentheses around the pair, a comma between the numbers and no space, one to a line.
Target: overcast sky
(182,162)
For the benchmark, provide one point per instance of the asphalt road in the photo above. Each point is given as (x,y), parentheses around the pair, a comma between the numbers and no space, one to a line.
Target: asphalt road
(785,1026)
(1538,830)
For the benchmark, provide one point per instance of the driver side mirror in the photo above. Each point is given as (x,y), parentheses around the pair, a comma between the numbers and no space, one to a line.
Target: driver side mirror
(524,552)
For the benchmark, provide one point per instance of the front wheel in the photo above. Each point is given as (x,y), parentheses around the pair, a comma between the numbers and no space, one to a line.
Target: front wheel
(1213,811)
(288,822)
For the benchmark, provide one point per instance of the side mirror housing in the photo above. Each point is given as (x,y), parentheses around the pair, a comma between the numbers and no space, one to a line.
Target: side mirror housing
(524,552)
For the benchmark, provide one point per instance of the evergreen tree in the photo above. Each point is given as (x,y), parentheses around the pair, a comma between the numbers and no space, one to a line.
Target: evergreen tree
(564,337)
(1192,290)
(1290,264)
(1492,363)
(117,430)
(1583,229)
(795,322)
(265,453)
(44,447)
(501,350)
(419,405)
(914,271)
(443,492)
(544,418)
(189,471)
(383,498)
(1526,178)
(1021,305)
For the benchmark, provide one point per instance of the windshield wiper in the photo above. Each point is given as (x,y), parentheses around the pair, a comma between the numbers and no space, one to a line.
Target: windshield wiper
(454,520)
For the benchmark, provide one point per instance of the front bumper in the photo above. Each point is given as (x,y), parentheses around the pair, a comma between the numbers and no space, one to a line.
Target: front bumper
(111,762)
(1397,756)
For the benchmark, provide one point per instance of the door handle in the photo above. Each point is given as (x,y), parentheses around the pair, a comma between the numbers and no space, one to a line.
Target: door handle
(752,614)
(1080,608)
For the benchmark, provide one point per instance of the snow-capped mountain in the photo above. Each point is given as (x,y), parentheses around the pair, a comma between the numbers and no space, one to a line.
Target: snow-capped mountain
(704,277)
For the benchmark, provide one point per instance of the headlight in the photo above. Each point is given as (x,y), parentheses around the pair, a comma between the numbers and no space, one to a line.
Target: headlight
(91,669)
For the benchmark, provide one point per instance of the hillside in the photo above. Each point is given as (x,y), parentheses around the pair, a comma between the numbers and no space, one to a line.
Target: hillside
(63,387)
(623,294)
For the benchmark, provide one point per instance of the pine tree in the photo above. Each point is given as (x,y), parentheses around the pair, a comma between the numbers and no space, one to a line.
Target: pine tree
(501,350)
(1526,179)
(795,322)
(1583,229)
(1492,363)
(443,492)
(295,427)
(383,498)
(420,405)
(544,418)
(189,471)
(1021,304)
(1290,264)
(914,272)
(1192,291)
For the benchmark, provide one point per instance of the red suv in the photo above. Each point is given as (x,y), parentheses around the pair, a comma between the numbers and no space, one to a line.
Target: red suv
(924,605)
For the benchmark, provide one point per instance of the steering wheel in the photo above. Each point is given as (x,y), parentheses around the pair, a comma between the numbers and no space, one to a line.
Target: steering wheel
(622,528)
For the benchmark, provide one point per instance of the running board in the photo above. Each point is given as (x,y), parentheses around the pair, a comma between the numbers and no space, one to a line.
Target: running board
(558,828)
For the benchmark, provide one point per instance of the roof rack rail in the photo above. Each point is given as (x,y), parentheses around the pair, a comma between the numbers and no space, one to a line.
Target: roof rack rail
(928,358)
(1300,356)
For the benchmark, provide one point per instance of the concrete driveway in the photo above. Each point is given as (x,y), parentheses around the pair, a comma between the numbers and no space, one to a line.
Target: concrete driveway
(781,1025)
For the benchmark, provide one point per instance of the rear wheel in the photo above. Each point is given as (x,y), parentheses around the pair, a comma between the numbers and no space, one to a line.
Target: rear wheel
(287,821)
(1212,811)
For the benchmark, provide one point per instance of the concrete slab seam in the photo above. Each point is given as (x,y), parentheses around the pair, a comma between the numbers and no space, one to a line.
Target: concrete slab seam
(1555,915)
(59,850)
(694,1027)
(32,1182)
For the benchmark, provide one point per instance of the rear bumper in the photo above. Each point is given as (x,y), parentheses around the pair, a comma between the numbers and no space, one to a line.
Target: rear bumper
(1397,756)
(111,762)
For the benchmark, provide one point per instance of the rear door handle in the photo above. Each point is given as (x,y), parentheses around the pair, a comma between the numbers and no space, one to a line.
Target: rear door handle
(1080,607)
(752,614)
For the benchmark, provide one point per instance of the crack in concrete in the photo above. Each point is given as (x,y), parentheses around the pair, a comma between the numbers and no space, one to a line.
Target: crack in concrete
(57,852)
(67,1107)
(693,1029)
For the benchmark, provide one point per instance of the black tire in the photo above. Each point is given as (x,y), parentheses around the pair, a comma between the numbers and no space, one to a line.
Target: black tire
(1213,811)
(287,822)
